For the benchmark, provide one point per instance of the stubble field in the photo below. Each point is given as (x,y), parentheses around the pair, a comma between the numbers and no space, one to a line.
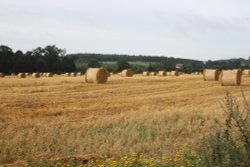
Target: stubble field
(66,117)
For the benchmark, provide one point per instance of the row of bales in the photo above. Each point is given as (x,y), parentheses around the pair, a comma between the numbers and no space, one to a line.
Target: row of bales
(196,73)
(100,75)
(33,75)
(161,73)
(73,74)
(226,77)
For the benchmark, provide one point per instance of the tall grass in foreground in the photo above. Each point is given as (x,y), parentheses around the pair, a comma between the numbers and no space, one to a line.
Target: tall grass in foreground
(227,146)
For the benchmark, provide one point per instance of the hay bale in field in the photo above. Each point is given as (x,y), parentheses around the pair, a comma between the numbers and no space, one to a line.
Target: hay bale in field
(96,75)
(13,74)
(174,73)
(27,74)
(35,75)
(246,72)
(79,74)
(211,74)
(21,75)
(162,73)
(152,73)
(231,78)
(168,73)
(127,73)
(73,74)
(2,75)
(49,74)
(145,73)
(67,74)
(43,74)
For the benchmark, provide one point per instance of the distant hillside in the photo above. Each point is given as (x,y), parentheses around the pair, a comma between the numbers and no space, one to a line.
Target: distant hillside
(85,57)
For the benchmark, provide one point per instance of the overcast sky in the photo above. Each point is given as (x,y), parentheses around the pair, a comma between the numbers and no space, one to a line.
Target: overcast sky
(197,29)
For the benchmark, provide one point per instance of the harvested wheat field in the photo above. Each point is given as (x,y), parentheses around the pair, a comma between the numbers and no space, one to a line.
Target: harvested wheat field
(64,116)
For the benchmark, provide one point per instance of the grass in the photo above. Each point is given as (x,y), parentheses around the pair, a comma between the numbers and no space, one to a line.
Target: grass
(64,117)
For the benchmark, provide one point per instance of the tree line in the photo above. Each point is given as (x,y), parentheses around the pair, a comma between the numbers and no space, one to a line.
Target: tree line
(155,63)
(53,59)
(47,59)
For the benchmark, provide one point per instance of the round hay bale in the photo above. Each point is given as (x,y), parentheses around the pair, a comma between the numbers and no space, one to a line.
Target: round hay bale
(44,74)
(246,72)
(152,73)
(211,74)
(67,74)
(127,73)
(49,74)
(21,75)
(231,78)
(73,74)
(162,73)
(36,75)
(96,75)
(2,75)
(79,74)
(145,73)
(27,74)
(13,74)
(174,73)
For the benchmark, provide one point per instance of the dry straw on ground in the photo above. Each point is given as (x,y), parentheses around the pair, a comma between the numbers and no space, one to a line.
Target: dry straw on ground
(127,73)
(62,116)
(162,73)
(145,73)
(211,74)
(2,75)
(21,75)
(231,78)
(35,75)
(96,75)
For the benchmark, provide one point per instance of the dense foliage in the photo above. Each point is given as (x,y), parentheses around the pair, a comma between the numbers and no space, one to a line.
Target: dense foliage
(53,59)
(47,59)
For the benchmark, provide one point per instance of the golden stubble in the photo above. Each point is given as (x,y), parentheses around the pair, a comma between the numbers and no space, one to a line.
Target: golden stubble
(43,117)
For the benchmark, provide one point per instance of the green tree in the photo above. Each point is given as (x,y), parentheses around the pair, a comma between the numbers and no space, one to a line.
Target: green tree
(151,67)
(94,63)
(122,64)
(6,59)
(192,66)
(67,64)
